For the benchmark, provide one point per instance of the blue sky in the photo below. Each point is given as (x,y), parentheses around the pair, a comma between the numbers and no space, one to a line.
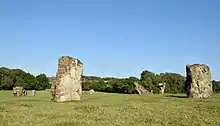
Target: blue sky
(118,38)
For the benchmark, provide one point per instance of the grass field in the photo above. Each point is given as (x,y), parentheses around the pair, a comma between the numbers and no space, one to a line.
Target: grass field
(107,109)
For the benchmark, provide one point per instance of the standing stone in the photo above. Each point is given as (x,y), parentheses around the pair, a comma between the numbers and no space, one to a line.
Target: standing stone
(162,87)
(18,91)
(198,81)
(33,92)
(68,84)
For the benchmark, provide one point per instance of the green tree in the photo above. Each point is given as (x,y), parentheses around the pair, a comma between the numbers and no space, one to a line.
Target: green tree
(6,83)
(216,86)
(175,83)
(30,82)
(17,77)
(148,80)
(98,86)
(42,82)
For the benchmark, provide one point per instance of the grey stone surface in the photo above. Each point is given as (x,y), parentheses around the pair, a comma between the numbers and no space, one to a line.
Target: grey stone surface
(18,91)
(68,84)
(140,89)
(198,81)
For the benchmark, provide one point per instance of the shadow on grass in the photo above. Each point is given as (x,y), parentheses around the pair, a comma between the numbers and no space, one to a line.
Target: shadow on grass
(3,109)
(68,124)
(176,96)
(27,105)
(30,100)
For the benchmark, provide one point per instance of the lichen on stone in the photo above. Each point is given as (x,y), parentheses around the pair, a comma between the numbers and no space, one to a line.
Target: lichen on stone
(68,84)
(198,81)
(18,91)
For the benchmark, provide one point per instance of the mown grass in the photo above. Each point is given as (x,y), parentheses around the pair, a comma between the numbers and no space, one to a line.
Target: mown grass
(109,109)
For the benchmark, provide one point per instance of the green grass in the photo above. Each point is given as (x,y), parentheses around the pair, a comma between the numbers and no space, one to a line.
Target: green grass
(108,109)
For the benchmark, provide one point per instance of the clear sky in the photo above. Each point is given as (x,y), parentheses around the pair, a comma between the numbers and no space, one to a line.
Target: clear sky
(118,38)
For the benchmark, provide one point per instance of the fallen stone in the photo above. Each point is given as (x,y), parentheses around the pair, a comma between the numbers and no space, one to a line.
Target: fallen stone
(91,91)
(140,89)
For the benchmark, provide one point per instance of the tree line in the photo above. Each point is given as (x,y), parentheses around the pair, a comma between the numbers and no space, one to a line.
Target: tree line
(10,78)
(175,83)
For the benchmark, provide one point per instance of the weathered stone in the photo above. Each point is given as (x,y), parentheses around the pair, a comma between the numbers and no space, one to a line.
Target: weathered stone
(91,91)
(162,87)
(18,91)
(68,84)
(140,89)
(198,81)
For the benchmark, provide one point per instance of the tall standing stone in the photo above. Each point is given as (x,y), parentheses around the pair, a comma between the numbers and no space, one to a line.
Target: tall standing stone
(198,81)
(68,84)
